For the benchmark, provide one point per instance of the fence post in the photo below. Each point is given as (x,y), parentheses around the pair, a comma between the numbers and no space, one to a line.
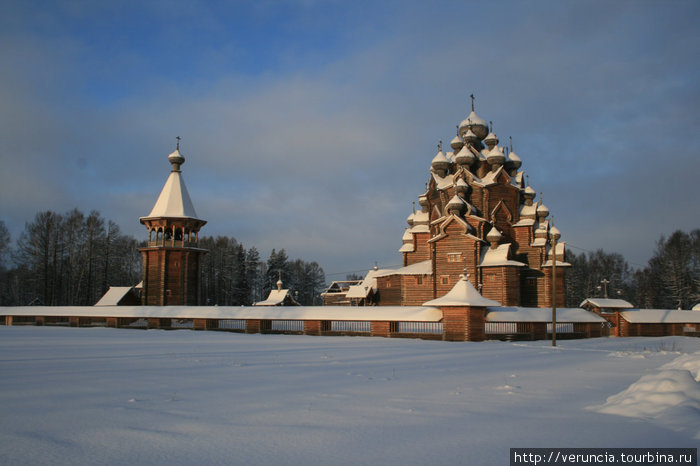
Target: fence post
(312,327)
(379,328)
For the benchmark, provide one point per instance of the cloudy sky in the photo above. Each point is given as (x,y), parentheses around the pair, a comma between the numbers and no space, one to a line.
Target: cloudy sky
(311,125)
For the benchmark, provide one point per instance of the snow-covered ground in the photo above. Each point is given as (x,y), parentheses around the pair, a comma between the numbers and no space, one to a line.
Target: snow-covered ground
(109,396)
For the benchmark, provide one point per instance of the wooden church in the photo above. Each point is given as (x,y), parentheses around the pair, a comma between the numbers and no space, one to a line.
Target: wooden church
(479,216)
(172,258)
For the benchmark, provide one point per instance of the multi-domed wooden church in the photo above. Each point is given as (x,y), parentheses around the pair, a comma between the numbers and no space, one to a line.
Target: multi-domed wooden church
(479,215)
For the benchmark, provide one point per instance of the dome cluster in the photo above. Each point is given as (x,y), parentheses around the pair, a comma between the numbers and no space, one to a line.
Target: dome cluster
(464,184)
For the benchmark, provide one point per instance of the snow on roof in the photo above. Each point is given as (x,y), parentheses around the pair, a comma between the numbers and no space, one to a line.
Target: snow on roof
(368,283)
(539,242)
(113,295)
(607,302)
(358,291)
(498,256)
(407,247)
(442,183)
(561,249)
(524,222)
(529,210)
(275,298)
(174,200)
(696,307)
(462,294)
(419,268)
(660,316)
(355,313)
(422,228)
(407,236)
(421,217)
(540,314)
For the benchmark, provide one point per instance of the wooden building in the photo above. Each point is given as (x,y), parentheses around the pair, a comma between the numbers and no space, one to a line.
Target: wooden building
(172,258)
(478,214)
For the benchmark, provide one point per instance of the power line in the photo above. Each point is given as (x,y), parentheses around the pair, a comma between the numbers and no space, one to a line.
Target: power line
(592,252)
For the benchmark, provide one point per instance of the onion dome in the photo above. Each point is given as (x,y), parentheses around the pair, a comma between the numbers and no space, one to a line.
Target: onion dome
(461,187)
(456,144)
(495,156)
(440,162)
(542,210)
(456,205)
(176,158)
(529,194)
(465,156)
(407,236)
(494,237)
(411,218)
(515,160)
(491,140)
(470,138)
(476,124)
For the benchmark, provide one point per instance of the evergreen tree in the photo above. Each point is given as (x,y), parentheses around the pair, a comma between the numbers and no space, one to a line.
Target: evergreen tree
(255,270)
(241,288)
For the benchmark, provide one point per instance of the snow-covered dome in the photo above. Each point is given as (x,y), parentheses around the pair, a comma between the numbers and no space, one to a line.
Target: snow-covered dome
(176,159)
(542,210)
(470,137)
(476,124)
(456,205)
(495,156)
(529,193)
(440,162)
(462,187)
(410,219)
(465,156)
(515,160)
(456,143)
(491,140)
(494,236)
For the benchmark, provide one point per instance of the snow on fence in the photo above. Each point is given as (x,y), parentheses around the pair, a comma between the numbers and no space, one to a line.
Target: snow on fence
(390,321)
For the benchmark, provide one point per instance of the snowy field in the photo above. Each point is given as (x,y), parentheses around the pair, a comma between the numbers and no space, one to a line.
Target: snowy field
(109,396)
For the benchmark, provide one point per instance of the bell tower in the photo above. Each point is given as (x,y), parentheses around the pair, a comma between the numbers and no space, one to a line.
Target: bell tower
(172,259)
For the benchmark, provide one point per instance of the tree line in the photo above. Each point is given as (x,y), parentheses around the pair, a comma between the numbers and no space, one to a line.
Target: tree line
(72,259)
(670,280)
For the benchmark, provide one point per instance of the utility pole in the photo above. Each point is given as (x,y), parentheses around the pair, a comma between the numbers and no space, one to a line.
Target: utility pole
(554,235)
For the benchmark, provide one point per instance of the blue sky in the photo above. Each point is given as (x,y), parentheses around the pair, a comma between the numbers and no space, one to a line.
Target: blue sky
(311,125)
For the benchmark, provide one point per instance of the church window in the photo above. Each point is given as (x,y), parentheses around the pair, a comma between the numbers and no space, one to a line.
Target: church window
(454,257)
(445,279)
(419,280)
